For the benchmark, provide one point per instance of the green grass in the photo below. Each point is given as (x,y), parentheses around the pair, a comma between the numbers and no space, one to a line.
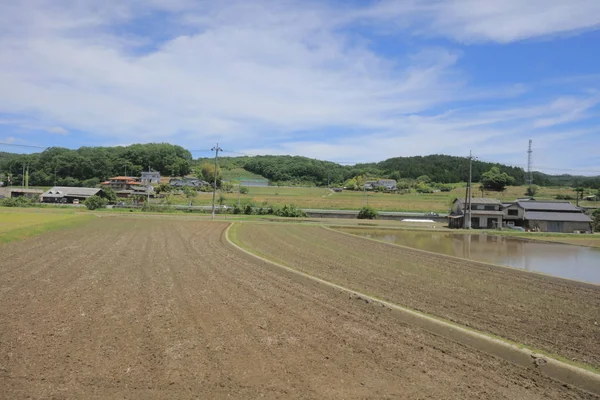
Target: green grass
(19,224)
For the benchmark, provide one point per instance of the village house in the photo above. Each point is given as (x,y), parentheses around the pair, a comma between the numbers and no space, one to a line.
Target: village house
(547,216)
(151,177)
(124,186)
(486,213)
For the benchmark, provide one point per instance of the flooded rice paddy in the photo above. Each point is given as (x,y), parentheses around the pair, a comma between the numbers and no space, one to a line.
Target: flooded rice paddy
(557,259)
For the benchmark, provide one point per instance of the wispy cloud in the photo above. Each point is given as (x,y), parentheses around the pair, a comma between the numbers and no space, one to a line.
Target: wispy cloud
(500,21)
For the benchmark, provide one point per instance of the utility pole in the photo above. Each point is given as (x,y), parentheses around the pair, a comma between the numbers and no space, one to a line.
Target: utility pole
(148,186)
(239,193)
(216,149)
(467,221)
(23,177)
(365,201)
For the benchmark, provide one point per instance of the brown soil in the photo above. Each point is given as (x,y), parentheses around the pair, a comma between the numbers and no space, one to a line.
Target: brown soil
(159,308)
(558,316)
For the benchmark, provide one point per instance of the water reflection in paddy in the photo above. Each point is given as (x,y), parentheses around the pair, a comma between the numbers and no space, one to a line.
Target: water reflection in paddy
(566,261)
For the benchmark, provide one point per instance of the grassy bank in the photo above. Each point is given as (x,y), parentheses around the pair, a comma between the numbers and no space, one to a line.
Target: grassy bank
(19,224)
(323,198)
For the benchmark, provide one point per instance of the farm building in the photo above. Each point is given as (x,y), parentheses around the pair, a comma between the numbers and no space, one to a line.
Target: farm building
(10,192)
(61,194)
(547,216)
(189,182)
(486,213)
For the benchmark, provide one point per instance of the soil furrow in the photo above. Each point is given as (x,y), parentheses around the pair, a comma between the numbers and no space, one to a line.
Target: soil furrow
(162,308)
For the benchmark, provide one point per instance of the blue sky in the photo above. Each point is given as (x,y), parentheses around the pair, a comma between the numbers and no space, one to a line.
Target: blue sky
(350,81)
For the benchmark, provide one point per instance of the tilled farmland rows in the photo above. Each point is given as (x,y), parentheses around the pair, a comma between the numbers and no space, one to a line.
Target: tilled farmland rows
(144,308)
(555,315)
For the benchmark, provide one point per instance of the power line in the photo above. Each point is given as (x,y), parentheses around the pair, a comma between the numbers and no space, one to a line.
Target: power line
(23,145)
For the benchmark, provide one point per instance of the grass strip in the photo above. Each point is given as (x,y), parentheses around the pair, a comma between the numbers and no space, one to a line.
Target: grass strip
(17,234)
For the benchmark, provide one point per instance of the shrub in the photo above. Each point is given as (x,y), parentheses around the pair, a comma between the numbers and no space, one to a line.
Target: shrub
(531,191)
(564,197)
(20,201)
(248,209)
(244,190)
(368,213)
(95,202)
(237,209)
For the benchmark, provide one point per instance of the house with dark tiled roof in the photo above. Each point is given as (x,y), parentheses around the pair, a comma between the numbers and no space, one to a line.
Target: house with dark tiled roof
(486,213)
(547,216)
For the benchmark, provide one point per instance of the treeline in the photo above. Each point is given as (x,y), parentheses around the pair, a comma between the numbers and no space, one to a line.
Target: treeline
(88,166)
(542,179)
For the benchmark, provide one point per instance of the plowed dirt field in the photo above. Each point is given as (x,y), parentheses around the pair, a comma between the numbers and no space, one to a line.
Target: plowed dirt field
(150,308)
(559,316)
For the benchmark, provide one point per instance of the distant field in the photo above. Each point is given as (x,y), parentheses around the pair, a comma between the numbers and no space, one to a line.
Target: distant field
(352,200)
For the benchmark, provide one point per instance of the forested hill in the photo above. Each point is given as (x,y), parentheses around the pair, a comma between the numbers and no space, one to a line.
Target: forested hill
(294,170)
(88,166)
(445,169)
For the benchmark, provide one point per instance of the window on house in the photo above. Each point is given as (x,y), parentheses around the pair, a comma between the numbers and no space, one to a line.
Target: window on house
(490,208)
(513,212)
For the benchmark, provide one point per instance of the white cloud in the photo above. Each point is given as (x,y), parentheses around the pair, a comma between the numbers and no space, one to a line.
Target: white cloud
(262,74)
(244,72)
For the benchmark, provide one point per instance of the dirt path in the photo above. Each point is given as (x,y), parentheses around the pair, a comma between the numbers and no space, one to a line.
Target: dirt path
(555,315)
(143,308)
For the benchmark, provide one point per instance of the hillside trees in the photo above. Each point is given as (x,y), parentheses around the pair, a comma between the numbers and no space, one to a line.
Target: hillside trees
(90,165)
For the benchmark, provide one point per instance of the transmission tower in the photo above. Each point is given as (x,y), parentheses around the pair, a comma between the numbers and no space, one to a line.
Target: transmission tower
(529,172)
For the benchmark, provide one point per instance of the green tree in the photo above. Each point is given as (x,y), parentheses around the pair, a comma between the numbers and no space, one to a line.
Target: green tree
(95,202)
(595,215)
(162,188)
(424,179)
(496,180)
(207,172)
(110,195)
(244,190)
(227,186)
